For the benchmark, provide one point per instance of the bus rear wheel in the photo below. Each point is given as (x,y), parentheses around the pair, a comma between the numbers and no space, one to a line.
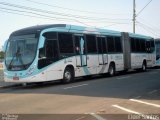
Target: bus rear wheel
(68,75)
(111,70)
(144,66)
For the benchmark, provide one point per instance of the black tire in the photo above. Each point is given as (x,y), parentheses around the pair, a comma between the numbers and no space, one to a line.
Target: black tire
(144,67)
(111,70)
(68,75)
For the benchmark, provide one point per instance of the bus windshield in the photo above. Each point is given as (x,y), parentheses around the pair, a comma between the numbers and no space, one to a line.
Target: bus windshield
(20,52)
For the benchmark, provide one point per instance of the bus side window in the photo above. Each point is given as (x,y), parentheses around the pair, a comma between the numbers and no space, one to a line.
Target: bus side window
(148,47)
(77,44)
(50,52)
(65,43)
(41,53)
(152,46)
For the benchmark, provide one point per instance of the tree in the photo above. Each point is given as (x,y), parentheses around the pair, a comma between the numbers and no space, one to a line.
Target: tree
(1,55)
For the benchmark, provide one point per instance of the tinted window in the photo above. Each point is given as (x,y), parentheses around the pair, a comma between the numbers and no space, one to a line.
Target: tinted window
(50,35)
(148,46)
(104,48)
(152,46)
(110,44)
(48,54)
(118,44)
(65,43)
(143,45)
(138,47)
(152,43)
(99,42)
(91,44)
(78,48)
(133,47)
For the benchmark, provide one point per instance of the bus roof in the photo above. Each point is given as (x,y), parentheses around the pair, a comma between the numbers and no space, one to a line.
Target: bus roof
(158,39)
(68,28)
(35,29)
(139,36)
(71,28)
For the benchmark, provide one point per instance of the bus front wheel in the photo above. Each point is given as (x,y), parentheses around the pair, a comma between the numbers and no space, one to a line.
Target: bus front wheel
(68,75)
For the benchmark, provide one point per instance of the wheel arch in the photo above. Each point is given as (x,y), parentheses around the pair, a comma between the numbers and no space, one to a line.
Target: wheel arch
(71,67)
(144,62)
(112,63)
(112,69)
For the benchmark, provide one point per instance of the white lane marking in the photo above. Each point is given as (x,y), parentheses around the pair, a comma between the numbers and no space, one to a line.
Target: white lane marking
(97,116)
(125,109)
(124,77)
(152,92)
(147,103)
(134,112)
(75,86)
(137,97)
(80,118)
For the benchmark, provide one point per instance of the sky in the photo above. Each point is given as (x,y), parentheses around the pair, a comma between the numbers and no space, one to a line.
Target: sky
(109,14)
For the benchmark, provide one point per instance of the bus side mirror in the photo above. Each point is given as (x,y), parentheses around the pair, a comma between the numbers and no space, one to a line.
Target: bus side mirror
(41,42)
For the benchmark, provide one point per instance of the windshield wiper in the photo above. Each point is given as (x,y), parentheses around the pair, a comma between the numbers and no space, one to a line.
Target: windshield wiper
(10,64)
(17,55)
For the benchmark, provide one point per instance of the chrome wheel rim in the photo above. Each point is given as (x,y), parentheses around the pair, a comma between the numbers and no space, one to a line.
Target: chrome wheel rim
(111,71)
(67,75)
(144,67)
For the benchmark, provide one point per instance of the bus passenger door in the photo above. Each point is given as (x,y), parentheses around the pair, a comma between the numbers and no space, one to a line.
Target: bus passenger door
(102,51)
(81,57)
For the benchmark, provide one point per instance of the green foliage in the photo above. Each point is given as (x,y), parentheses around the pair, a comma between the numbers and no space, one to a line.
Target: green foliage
(1,55)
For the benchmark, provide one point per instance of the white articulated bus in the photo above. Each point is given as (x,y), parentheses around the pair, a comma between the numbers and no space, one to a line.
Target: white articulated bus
(157,44)
(63,52)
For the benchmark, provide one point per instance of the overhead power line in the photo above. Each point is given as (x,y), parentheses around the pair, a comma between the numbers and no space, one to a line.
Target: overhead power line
(38,14)
(143,8)
(58,13)
(151,32)
(136,15)
(12,12)
(65,8)
(21,12)
(147,28)
(157,26)
(43,16)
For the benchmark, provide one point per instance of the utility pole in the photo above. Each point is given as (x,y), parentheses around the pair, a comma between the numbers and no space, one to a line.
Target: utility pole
(134,16)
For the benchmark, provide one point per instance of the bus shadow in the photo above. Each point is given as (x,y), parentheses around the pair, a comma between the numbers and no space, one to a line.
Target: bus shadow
(97,86)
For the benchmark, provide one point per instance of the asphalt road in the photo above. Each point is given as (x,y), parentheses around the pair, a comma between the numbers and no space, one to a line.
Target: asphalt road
(101,98)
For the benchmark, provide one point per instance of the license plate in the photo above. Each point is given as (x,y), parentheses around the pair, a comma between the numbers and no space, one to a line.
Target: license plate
(15,78)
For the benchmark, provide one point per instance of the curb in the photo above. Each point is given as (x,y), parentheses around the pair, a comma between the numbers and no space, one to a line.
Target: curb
(9,86)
